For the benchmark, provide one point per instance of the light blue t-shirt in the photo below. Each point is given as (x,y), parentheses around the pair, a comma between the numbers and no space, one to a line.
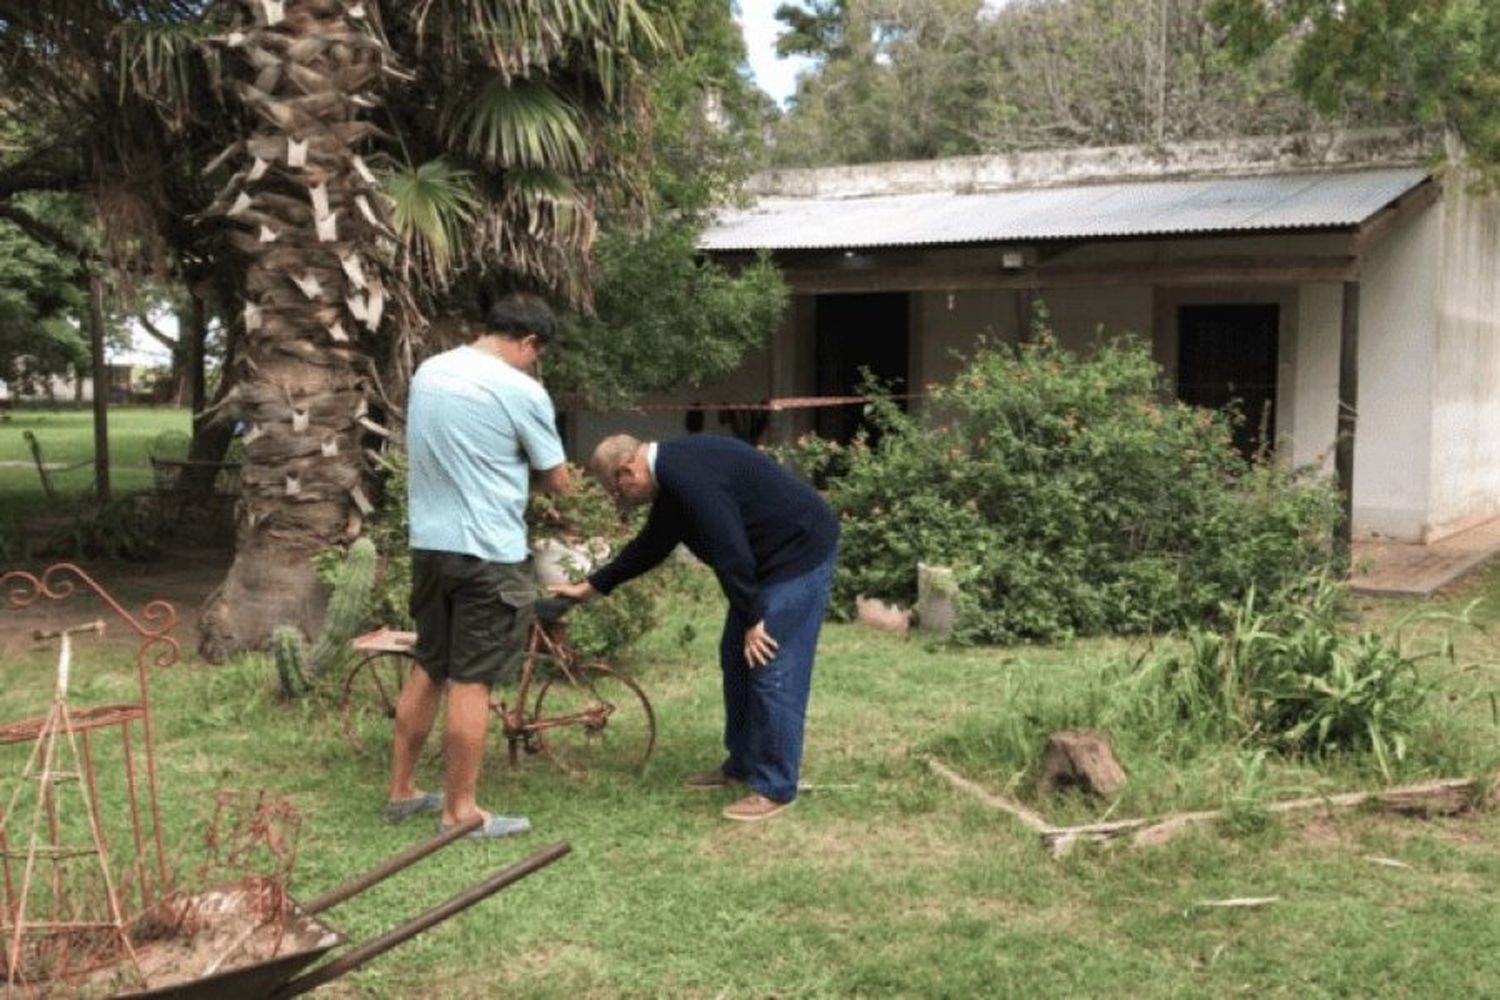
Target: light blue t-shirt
(475,427)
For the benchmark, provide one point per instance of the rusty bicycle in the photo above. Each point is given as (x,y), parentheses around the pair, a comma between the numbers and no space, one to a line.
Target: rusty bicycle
(584,715)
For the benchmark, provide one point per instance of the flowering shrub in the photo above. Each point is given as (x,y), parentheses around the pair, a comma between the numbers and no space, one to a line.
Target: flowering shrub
(1069,497)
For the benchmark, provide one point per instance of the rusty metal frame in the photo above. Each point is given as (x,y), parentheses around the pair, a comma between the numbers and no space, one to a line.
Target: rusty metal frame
(157,647)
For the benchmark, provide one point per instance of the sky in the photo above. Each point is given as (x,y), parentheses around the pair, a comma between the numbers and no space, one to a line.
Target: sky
(776,76)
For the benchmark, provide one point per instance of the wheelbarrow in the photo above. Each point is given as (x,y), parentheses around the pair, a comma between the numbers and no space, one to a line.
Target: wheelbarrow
(283,975)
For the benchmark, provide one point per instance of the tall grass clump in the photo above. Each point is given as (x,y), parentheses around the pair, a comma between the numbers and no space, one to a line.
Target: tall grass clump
(1285,683)
(1071,497)
(1289,678)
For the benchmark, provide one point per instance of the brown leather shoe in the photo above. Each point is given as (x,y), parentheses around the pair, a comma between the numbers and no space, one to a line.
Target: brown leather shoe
(704,781)
(754,807)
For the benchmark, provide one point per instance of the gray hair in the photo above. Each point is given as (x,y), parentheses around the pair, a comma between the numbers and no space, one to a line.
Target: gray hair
(611,453)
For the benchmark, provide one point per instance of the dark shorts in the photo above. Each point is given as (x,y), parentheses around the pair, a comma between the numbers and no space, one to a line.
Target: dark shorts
(472,616)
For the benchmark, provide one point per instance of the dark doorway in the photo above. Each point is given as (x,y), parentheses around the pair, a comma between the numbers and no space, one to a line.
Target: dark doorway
(857,333)
(1227,357)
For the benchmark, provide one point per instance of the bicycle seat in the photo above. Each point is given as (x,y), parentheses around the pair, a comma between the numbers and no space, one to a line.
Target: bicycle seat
(550,610)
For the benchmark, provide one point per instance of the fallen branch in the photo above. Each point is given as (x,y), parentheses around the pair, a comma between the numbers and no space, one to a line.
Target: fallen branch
(1443,797)
(989,798)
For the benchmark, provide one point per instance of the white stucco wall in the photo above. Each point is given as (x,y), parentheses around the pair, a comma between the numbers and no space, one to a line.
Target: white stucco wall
(1312,428)
(1465,416)
(1397,327)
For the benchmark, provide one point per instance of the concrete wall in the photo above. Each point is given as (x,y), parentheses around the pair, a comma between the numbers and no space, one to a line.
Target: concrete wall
(948,322)
(1082,316)
(1397,327)
(661,419)
(1243,155)
(1425,461)
(1465,416)
(1310,430)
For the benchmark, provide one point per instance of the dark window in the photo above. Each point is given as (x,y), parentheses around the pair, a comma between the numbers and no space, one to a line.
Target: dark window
(857,333)
(1227,357)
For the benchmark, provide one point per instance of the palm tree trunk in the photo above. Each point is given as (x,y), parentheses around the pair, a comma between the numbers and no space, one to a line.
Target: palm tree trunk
(308,218)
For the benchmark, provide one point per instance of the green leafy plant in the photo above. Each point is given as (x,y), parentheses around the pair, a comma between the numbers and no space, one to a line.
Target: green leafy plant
(1069,497)
(391,601)
(1293,680)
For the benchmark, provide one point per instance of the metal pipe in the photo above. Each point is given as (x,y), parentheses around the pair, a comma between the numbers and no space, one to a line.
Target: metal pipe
(370,949)
(391,866)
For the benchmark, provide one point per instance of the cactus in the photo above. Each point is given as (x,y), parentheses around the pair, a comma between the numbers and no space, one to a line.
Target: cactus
(286,647)
(353,584)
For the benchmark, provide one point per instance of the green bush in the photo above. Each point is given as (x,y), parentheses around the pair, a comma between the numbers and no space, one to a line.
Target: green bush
(389,530)
(1070,499)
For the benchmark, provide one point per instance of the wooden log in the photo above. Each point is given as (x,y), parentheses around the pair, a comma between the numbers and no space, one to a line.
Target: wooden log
(1081,758)
(1445,798)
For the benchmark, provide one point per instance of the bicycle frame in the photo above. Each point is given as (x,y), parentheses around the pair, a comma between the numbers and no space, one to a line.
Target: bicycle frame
(551,641)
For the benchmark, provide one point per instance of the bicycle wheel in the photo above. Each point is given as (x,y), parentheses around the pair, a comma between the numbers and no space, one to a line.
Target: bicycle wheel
(598,722)
(367,703)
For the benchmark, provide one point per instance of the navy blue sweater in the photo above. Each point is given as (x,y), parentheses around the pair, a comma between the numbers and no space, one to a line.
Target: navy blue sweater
(749,519)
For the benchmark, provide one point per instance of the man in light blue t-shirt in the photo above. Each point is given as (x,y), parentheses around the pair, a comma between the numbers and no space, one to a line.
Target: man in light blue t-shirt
(478,425)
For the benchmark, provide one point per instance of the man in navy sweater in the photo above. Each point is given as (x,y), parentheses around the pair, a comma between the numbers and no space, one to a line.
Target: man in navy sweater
(771,541)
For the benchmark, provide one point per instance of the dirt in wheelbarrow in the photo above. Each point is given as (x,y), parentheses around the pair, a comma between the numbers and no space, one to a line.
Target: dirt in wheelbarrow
(210,934)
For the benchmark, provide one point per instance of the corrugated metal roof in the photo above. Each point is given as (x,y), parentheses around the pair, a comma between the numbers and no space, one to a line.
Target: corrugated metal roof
(1137,208)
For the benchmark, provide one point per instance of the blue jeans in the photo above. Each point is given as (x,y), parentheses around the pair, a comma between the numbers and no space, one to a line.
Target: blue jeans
(765,707)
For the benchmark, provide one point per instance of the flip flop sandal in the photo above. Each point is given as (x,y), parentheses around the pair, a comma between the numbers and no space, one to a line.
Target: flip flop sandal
(404,809)
(495,827)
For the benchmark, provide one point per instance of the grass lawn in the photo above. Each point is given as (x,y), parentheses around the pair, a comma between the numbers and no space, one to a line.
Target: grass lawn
(882,881)
(67,437)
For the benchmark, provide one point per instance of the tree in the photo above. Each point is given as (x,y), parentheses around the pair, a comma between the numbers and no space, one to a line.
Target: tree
(109,114)
(497,138)
(898,79)
(903,79)
(705,140)
(38,293)
(484,152)
(1436,61)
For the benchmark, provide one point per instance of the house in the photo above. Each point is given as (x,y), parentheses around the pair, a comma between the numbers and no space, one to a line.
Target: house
(1344,290)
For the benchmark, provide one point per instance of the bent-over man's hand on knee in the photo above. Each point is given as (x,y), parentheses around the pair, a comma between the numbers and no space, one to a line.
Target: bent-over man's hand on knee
(760,648)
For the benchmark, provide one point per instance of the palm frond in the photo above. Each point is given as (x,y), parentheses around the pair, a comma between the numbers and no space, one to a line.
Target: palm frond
(169,64)
(522,123)
(431,204)
(517,37)
(543,227)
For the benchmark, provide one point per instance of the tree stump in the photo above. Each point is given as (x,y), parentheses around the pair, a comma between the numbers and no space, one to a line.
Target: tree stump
(1082,758)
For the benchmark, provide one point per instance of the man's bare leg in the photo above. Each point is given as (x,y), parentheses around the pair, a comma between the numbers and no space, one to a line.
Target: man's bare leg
(416,710)
(463,748)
